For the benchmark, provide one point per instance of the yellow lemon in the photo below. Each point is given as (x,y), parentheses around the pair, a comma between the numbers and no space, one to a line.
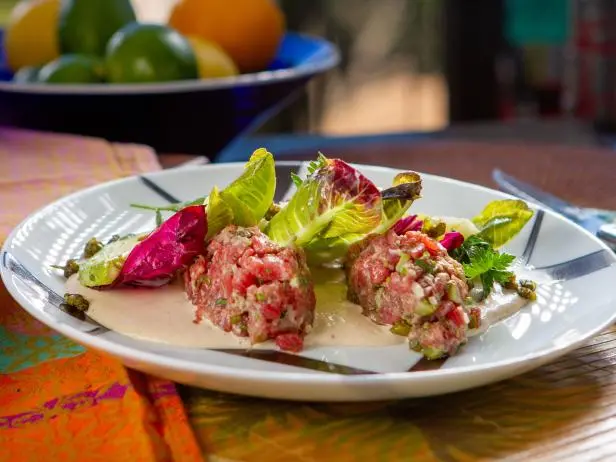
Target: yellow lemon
(31,36)
(212,60)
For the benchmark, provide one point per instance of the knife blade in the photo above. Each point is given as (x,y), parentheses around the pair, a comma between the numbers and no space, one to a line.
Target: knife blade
(589,220)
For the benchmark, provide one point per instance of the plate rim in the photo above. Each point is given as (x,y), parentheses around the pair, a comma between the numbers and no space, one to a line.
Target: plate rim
(265,376)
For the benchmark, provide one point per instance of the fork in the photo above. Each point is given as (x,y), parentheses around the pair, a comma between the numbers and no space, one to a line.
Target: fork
(598,223)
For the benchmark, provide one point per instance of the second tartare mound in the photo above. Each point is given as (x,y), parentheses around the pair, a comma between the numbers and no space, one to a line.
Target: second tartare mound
(411,283)
(249,285)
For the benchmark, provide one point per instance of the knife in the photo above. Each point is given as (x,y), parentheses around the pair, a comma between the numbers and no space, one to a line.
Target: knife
(587,219)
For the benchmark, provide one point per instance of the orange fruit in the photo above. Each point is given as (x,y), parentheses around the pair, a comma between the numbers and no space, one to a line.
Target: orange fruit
(249,31)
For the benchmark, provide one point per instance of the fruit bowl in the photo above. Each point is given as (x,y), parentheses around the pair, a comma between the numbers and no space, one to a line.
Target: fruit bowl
(190,116)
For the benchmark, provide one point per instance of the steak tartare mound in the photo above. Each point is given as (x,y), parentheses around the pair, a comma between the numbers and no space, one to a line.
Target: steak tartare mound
(249,285)
(410,282)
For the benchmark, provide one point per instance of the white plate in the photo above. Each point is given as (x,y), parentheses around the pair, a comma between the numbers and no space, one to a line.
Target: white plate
(575,298)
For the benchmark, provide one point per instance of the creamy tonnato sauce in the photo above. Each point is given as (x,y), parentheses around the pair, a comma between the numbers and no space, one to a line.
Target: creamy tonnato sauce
(166,315)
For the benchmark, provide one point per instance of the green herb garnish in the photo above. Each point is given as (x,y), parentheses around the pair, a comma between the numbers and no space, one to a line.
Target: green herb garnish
(480,261)
(170,207)
(426,265)
(296,179)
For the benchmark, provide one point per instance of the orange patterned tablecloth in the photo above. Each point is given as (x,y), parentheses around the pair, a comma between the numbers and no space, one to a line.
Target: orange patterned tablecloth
(57,400)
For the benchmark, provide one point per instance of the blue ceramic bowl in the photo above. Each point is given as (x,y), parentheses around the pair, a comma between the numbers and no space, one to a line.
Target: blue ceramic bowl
(193,116)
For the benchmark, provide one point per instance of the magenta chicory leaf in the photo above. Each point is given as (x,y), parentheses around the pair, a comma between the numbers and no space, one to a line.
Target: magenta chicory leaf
(172,246)
(410,223)
(452,240)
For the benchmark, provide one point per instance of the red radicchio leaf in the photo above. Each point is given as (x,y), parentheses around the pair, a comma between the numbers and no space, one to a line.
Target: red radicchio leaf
(172,246)
(406,224)
(452,240)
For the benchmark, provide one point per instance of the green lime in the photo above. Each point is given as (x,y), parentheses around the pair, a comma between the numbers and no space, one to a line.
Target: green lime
(73,69)
(149,53)
(85,26)
(28,74)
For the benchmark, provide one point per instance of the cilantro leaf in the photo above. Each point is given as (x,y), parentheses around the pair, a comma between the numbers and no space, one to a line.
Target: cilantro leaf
(481,261)
(486,260)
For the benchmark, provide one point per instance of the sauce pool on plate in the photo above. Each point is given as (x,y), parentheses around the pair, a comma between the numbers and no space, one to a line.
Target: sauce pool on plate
(165,315)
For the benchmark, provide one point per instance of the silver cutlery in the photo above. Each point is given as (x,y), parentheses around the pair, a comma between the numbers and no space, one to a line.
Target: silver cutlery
(588,219)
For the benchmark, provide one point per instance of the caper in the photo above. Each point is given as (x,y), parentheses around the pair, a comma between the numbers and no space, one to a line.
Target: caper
(528,284)
(436,230)
(93,246)
(77,301)
(527,293)
(71,267)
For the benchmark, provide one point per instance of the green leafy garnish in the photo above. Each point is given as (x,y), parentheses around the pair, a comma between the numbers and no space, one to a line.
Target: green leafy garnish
(334,244)
(335,200)
(219,214)
(295,178)
(176,207)
(244,202)
(315,165)
(426,265)
(250,196)
(481,262)
(501,220)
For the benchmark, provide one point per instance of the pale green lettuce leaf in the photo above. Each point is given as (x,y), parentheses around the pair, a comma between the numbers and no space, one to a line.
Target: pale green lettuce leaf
(395,202)
(334,200)
(501,220)
(250,196)
(219,214)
